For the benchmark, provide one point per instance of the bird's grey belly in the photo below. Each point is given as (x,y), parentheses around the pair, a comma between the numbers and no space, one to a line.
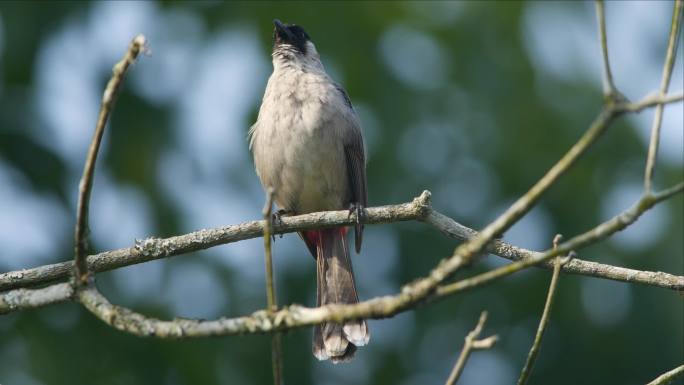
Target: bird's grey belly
(308,171)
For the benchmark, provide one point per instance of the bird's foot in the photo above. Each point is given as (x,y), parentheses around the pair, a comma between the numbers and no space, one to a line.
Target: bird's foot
(359,211)
(277,219)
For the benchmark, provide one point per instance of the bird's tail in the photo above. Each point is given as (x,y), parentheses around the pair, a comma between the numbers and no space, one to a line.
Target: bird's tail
(335,281)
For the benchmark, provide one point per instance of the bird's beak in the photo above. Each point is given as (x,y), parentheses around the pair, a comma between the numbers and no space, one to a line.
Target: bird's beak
(282,31)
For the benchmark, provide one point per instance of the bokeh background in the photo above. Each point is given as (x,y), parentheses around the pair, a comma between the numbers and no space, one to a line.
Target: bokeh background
(473,101)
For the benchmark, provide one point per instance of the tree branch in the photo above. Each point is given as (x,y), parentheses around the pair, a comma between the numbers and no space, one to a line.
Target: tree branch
(668,377)
(534,351)
(530,198)
(21,299)
(296,316)
(653,100)
(453,229)
(664,85)
(86,184)
(609,91)
(594,235)
(471,343)
(156,248)
(419,209)
(268,260)
(271,301)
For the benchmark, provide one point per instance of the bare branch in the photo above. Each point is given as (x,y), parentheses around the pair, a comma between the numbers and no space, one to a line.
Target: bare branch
(650,101)
(272,302)
(471,343)
(21,299)
(609,90)
(668,377)
(664,85)
(268,260)
(156,248)
(86,184)
(594,235)
(295,316)
(534,351)
(419,209)
(453,229)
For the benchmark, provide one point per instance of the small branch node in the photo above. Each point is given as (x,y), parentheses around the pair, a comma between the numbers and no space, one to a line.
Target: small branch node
(471,343)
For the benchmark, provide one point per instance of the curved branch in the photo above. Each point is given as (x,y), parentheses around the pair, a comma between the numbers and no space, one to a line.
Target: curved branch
(86,185)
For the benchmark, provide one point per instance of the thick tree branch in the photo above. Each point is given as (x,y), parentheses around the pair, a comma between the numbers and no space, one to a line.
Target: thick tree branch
(664,85)
(471,343)
(419,209)
(86,184)
(156,248)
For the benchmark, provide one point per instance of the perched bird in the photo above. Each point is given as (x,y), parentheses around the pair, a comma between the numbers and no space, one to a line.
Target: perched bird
(308,148)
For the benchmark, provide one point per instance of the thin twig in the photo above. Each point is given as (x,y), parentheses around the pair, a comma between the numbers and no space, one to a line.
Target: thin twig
(271,300)
(471,343)
(650,101)
(668,377)
(664,85)
(532,355)
(609,91)
(270,289)
(86,184)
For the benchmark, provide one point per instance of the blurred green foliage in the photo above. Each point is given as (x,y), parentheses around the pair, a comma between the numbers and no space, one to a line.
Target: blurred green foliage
(453,100)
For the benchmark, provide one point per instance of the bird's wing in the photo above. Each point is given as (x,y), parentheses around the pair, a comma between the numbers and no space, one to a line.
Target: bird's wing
(356,165)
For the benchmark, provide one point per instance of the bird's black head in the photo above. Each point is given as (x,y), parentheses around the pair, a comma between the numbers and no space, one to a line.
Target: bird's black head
(290,34)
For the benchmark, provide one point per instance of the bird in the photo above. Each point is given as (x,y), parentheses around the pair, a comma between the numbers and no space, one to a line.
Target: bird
(308,149)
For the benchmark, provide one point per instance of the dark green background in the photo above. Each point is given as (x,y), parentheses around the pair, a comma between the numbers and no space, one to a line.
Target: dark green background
(454,98)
